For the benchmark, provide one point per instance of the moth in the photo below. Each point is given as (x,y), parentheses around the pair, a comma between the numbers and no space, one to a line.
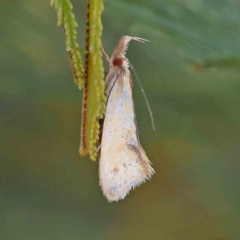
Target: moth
(123,163)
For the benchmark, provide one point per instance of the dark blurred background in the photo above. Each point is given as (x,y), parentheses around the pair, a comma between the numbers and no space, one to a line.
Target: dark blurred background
(190,72)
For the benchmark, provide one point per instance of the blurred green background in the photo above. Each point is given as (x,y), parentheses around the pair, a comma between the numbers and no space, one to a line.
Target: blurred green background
(190,72)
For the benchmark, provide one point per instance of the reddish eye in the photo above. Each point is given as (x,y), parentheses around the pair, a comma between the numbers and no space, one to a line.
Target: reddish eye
(117,62)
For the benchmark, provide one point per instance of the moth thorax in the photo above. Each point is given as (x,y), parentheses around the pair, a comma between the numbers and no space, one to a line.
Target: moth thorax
(117,62)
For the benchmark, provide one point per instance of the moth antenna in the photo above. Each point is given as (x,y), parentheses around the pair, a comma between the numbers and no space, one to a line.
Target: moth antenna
(142,40)
(144,95)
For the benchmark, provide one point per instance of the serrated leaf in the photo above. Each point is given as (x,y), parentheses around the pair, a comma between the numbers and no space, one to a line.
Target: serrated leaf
(93,98)
(66,18)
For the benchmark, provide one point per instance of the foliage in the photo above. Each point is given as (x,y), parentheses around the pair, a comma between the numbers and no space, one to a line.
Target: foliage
(93,106)
(66,18)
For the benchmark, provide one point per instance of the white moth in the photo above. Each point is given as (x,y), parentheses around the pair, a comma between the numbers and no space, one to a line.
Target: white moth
(123,162)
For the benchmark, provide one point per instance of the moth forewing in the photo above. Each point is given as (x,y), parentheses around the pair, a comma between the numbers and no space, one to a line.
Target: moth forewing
(123,163)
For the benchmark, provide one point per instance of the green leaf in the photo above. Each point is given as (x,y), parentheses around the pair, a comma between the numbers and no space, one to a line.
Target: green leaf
(66,18)
(94,99)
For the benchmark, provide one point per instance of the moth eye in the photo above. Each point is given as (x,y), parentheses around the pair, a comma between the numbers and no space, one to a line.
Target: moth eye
(117,62)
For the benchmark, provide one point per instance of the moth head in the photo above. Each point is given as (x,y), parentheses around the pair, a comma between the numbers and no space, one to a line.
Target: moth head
(118,58)
(117,62)
(120,62)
